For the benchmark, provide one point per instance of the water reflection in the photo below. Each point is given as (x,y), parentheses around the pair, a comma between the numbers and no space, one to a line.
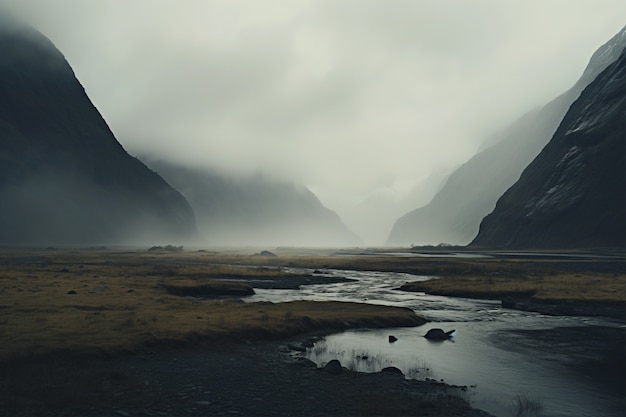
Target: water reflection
(476,357)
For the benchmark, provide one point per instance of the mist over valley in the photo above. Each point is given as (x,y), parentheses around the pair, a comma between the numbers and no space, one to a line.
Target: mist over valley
(312,208)
(370,117)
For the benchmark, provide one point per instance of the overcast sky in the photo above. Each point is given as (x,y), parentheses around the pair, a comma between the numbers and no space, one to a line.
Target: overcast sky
(352,98)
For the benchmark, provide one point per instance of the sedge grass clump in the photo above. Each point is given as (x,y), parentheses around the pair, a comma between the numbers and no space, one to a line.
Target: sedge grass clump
(562,286)
(115,301)
(526,405)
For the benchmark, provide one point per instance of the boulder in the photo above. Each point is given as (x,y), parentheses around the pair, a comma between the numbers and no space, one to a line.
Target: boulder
(392,339)
(438,334)
(333,367)
(392,370)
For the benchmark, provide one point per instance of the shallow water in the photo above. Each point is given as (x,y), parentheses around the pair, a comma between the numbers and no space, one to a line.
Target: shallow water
(475,357)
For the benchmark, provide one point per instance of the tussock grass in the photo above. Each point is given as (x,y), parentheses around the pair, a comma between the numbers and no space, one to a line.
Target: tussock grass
(563,286)
(567,279)
(121,301)
(110,301)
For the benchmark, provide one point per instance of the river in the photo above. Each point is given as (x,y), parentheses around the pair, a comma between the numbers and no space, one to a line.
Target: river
(482,354)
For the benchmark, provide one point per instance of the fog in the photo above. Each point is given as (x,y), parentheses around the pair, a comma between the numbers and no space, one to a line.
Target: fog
(367,103)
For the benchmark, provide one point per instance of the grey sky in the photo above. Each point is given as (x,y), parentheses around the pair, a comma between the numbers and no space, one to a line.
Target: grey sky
(357,99)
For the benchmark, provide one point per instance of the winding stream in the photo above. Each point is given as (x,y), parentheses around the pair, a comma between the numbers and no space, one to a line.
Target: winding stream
(479,355)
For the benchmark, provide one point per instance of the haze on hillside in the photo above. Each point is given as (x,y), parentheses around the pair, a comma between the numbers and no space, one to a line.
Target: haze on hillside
(367,103)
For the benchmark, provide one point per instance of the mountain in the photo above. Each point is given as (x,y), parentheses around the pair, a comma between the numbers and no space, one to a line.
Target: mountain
(573,195)
(454,214)
(64,178)
(236,210)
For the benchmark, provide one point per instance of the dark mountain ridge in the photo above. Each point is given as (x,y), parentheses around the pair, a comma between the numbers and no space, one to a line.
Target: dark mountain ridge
(64,178)
(573,194)
(454,214)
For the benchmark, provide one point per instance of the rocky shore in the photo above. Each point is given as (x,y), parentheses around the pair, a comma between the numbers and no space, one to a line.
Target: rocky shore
(248,379)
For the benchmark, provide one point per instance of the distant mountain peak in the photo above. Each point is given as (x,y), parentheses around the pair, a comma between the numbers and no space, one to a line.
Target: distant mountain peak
(64,177)
(604,55)
(573,195)
(471,192)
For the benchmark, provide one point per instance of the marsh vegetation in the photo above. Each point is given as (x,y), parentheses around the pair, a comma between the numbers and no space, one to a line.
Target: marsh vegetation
(63,307)
(107,300)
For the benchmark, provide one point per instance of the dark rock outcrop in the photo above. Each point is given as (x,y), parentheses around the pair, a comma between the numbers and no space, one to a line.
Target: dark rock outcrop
(64,178)
(333,367)
(471,192)
(392,370)
(266,253)
(438,334)
(573,195)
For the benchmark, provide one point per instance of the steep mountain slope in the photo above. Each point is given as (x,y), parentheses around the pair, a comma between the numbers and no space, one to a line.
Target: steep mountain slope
(573,195)
(471,192)
(64,178)
(247,210)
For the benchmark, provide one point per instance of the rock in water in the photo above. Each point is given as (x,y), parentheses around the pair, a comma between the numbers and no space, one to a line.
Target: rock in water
(392,370)
(333,367)
(438,334)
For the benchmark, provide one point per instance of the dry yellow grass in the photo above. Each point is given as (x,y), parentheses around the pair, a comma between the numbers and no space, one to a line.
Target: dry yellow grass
(584,286)
(119,304)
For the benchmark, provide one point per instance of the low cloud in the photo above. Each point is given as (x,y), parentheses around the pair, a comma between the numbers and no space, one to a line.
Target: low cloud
(354,99)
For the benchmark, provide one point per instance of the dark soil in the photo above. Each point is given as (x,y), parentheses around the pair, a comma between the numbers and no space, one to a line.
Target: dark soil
(283,282)
(208,291)
(231,379)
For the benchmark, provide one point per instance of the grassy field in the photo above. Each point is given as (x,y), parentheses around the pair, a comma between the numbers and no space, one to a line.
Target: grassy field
(600,280)
(111,300)
(122,299)
(68,316)
(564,286)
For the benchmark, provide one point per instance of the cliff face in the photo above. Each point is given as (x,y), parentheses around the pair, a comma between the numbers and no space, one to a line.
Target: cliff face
(234,210)
(64,178)
(573,195)
(454,214)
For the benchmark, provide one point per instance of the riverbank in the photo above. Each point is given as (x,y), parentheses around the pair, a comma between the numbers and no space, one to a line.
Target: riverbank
(247,379)
(140,306)
(102,333)
(558,293)
(110,301)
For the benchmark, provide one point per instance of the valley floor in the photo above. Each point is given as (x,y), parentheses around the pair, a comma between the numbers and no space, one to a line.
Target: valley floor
(247,380)
(100,332)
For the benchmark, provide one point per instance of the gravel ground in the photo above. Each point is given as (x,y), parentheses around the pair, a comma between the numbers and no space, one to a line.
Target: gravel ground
(234,379)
